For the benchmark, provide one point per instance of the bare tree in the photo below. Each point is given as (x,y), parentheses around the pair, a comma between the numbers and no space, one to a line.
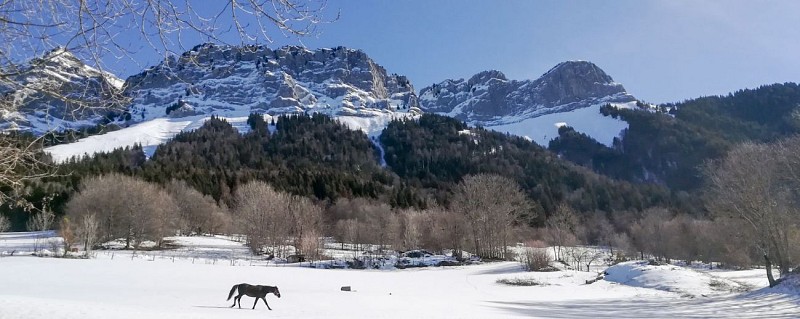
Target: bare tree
(371,219)
(651,234)
(598,231)
(67,232)
(20,162)
(560,229)
(53,30)
(86,231)
(491,204)
(198,213)
(407,228)
(347,230)
(579,256)
(161,214)
(306,223)
(451,229)
(756,184)
(41,221)
(5,224)
(271,218)
(144,212)
(624,247)
(221,220)
(257,210)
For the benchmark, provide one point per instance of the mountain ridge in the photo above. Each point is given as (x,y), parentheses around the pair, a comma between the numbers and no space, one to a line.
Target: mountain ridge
(58,91)
(234,81)
(488,98)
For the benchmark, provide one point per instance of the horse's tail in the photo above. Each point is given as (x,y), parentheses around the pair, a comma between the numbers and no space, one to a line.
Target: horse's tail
(232,290)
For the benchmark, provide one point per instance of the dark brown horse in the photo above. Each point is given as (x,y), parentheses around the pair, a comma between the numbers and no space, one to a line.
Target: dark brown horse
(260,292)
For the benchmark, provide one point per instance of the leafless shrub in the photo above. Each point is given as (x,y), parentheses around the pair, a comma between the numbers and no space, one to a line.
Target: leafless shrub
(535,259)
(520,282)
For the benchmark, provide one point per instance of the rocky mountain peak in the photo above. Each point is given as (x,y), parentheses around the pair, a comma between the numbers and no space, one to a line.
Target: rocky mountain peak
(489,98)
(58,91)
(486,76)
(575,81)
(237,80)
(578,69)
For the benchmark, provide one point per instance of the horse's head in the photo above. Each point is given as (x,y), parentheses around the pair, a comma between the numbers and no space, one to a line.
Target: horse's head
(277,292)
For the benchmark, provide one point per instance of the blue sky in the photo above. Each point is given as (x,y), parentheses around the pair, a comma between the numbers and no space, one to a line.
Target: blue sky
(661,51)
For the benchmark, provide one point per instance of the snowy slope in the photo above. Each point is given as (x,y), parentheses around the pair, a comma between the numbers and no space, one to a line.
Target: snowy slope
(150,134)
(672,278)
(587,120)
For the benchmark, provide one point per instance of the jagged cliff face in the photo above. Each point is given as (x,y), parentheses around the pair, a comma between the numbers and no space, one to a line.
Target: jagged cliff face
(56,92)
(236,81)
(489,98)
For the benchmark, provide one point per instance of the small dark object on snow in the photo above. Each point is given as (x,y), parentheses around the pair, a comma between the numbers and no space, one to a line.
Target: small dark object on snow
(346,288)
(295,258)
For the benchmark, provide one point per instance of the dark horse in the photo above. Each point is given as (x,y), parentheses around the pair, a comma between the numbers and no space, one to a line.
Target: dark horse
(253,291)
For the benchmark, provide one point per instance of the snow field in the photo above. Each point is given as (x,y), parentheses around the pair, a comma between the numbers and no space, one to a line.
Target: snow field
(589,120)
(117,284)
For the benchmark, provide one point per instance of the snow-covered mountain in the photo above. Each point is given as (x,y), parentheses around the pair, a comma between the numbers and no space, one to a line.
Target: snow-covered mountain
(232,82)
(183,91)
(236,81)
(489,98)
(568,94)
(57,91)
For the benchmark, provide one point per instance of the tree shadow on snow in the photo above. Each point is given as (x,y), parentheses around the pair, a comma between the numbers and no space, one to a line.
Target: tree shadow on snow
(498,270)
(763,305)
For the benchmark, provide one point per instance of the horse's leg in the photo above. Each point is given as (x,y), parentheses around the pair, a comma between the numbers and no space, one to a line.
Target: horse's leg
(239,297)
(265,302)
(256,302)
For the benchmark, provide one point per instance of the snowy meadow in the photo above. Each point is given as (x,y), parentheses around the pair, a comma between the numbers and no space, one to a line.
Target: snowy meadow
(193,281)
